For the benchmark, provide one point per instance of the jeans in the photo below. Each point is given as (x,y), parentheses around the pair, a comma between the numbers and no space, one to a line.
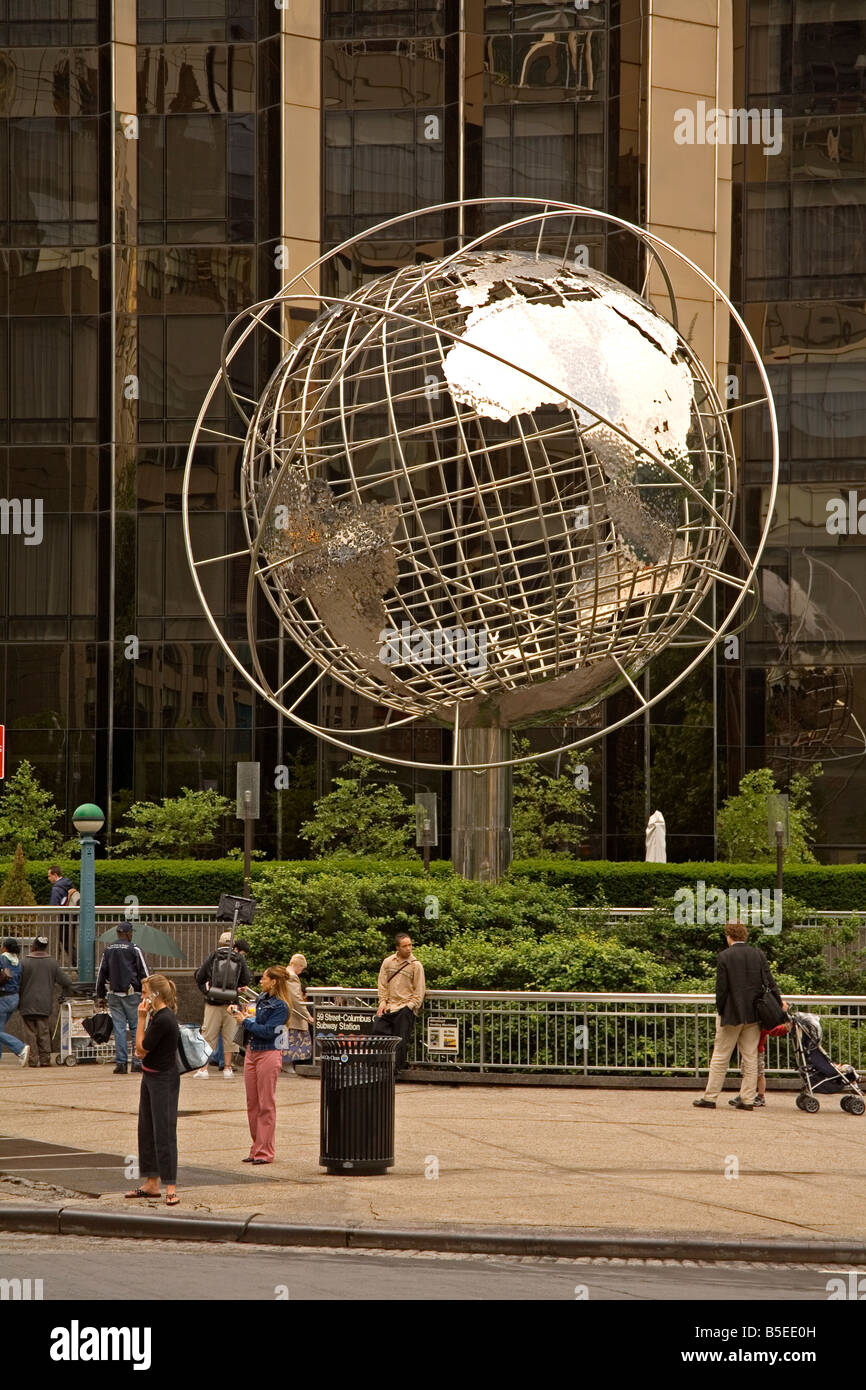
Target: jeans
(124,1010)
(157,1125)
(8,1005)
(398,1024)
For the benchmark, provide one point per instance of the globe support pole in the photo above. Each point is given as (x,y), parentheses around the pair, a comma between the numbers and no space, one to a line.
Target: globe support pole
(481,817)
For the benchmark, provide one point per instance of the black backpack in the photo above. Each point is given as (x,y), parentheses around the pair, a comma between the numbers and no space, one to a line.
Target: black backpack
(224,976)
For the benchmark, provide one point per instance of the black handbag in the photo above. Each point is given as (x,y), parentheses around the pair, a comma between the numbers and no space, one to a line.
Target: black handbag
(768,1009)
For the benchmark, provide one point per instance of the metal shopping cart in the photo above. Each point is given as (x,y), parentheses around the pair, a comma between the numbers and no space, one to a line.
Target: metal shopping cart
(76,1045)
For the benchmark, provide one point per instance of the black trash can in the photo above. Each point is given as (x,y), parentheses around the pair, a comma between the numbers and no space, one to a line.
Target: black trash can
(357,1114)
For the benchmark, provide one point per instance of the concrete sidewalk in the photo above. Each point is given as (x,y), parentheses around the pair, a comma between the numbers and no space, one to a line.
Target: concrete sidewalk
(619,1161)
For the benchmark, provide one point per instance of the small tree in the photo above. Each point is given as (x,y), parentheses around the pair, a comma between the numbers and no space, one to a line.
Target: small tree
(551,810)
(178,828)
(15,890)
(361,815)
(742,823)
(28,816)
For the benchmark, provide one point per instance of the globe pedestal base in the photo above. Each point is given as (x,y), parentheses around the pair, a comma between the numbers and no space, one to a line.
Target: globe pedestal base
(481,819)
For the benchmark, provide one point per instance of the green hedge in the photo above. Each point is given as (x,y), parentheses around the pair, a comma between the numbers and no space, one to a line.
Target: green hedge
(168,882)
(198,882)
(836,886)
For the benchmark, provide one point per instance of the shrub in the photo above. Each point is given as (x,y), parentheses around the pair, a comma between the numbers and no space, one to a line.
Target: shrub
(174,828)
(16,890)
(742,821)
(361,815)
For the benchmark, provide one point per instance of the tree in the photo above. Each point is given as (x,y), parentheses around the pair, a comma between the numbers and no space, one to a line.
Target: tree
(28,816)
(361,815)
(15,890)
(742,823)
(181,827)
(550,811)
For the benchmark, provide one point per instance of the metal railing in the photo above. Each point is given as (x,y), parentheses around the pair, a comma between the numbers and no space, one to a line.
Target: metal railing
(597,1034)
(195,929)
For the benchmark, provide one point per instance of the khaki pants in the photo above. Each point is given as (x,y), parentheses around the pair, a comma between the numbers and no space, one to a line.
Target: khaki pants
(218,1020)
(745,1037)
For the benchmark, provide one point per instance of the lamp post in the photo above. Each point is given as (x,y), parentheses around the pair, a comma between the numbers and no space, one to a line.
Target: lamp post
(88,821)
(780,855)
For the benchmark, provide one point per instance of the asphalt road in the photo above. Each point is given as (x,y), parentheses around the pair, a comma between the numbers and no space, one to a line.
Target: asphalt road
(93,1269)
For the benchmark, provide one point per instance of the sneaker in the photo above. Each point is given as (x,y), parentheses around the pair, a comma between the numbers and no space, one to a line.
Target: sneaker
(202,1071)
(120,1069)
(23,1056)
(704,1104)
(227,1071)
(759,1100)
(740,1105)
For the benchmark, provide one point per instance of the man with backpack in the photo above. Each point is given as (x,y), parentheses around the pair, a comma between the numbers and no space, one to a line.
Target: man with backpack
(121,972)
(220,978)
(64,894)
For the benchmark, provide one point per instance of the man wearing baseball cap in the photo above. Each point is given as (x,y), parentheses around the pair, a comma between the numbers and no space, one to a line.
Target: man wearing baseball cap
(39,974)
(118,984)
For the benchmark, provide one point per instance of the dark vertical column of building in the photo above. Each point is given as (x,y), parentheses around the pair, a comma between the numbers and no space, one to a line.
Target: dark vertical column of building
(803,283)
(52,94)
(193,245)
(392,122)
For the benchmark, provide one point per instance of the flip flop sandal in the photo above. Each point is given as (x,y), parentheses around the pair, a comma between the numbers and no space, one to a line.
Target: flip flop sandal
(140,1192)
(172,1201)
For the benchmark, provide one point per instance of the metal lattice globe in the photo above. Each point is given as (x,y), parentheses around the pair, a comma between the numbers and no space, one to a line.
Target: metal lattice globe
(486,490)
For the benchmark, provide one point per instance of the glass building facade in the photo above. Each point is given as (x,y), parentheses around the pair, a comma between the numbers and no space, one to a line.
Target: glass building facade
(159,159)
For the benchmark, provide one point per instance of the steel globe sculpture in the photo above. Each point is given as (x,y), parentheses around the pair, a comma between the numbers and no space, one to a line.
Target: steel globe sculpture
(484,490)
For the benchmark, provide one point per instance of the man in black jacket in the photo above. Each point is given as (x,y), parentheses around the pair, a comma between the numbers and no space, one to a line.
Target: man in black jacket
(741,974)
(121,972)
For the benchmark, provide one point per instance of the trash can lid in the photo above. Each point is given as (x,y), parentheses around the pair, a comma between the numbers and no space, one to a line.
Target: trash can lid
(358,1044)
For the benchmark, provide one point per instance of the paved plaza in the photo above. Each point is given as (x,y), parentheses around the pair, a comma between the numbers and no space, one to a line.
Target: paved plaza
(631,1161)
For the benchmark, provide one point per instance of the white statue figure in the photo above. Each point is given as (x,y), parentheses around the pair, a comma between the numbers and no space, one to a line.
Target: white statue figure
(656,852)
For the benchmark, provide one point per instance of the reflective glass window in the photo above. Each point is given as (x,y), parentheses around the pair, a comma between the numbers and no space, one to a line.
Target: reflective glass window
(36,693)
(195,174)
(216,78)
(50,82)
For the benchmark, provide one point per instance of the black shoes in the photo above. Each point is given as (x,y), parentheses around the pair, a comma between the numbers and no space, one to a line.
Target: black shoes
(120,1069)
(738,1104)
(704,1104)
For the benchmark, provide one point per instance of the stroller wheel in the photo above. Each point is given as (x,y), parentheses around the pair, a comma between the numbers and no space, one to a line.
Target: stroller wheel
(810,1104)
(853,1104)
(800,1099)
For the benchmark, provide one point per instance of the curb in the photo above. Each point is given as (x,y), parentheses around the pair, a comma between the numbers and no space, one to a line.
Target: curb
(255,1230)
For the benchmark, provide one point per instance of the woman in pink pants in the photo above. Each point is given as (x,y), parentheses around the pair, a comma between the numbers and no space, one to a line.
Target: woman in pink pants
(263,1060)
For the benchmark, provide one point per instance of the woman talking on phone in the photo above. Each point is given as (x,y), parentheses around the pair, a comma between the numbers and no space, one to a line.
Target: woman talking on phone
(156,1041)
(262,1037)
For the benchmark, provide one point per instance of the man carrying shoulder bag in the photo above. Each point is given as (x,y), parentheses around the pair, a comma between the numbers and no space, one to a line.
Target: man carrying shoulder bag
(223,974)
(747,999)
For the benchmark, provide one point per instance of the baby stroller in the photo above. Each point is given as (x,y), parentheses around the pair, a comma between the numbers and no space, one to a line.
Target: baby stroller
(818,1073)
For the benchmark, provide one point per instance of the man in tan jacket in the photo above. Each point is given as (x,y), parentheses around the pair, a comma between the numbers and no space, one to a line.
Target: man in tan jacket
(401,994)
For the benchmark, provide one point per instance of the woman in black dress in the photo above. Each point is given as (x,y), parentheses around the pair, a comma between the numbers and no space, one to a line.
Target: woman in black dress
(156,1041)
